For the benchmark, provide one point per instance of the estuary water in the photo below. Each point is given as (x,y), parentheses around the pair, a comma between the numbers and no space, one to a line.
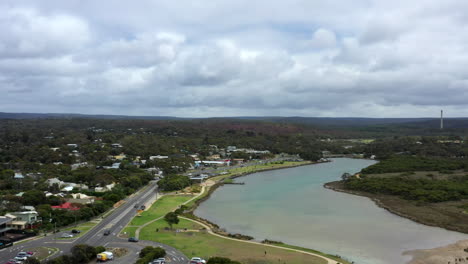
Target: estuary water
(291,205)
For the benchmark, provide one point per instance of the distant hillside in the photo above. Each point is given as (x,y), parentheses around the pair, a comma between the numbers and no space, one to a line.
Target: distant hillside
(61,115)
(333,122)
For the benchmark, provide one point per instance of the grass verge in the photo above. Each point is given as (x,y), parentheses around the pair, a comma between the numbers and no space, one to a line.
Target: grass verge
(196,242)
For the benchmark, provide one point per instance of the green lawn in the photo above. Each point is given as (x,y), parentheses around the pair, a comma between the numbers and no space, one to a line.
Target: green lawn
(202,244)
(129,231)
(161,207)
(84,228)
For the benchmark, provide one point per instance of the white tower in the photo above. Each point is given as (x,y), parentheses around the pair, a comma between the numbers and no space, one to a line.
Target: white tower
(441,119)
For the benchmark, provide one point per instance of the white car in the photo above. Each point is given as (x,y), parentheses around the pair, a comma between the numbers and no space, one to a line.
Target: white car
(67,235)
(197,260)
(21,256)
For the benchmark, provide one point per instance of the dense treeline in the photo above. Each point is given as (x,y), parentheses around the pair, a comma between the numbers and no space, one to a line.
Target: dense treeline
(449,147)
(423,190)
(405,163)
(174,182)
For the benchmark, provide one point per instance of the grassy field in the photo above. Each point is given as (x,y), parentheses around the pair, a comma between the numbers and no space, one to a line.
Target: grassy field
(194,242)
(164,205)
(84,228)
(129,231)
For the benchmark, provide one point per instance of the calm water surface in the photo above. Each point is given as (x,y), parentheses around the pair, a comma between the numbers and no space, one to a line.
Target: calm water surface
(292,206)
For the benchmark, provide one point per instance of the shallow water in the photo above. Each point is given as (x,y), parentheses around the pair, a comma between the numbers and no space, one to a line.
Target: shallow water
(291,205)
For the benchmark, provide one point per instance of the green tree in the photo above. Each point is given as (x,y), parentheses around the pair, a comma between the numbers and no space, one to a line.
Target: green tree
(171,218)
(83,253)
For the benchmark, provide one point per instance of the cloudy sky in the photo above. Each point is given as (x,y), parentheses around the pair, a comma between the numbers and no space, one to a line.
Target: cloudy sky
(199,58)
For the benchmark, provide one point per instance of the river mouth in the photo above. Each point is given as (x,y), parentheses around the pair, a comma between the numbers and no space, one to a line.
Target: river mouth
(292,206)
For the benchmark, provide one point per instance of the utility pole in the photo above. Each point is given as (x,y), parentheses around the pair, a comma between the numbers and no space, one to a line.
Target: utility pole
(441,119)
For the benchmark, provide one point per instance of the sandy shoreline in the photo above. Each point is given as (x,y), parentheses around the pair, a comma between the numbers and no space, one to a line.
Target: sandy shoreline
(453,253)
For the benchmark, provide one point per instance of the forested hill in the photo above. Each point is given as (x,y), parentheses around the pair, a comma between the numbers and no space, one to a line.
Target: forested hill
(321,121)
(344,127)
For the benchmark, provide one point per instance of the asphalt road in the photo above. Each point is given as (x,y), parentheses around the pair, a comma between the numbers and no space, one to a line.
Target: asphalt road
(116,221)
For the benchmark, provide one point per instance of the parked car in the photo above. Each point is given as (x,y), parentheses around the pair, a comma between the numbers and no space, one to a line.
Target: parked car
(75,231)
(107,232)
(197,260)
(159,261)
(132,239)
(21,256)
(67,235)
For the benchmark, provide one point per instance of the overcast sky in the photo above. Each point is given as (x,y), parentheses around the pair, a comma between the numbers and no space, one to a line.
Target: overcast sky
(366,58)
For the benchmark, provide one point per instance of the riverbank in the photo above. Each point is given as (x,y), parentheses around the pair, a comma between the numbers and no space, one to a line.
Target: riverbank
(445,215)
(219,181)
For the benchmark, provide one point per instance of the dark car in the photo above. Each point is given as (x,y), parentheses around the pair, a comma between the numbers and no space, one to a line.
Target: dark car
(107,232)
(132,239)
(75,231)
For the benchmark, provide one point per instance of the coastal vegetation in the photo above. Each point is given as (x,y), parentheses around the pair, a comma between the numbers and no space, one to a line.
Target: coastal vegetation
(407,163)
(422,190)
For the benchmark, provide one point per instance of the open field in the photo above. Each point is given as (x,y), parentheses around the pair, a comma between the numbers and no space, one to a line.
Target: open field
(196,242)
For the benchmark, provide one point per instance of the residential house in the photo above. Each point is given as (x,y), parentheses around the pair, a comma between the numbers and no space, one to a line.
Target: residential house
(4,223)
(79,165)
(213,157)
(18,176)
(231,148)
(106,188)
(81,198)
(158,157)
(121,156)
(23,220)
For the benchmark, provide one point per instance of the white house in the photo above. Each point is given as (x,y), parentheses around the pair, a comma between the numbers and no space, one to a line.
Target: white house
(158,157)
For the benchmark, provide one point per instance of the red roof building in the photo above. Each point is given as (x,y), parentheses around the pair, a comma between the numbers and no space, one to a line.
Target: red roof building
(66,206)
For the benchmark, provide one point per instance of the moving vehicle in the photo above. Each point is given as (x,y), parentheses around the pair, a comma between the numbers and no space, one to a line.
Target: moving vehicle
(132,239)
(197,260)
(107,232)
(105,256)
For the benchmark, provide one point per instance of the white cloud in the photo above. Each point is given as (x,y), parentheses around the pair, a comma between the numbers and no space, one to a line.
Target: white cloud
(323,39)
(314,58)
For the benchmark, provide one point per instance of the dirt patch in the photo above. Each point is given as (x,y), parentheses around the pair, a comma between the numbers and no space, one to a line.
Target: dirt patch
(455,253)
(447,215)
(41,252)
